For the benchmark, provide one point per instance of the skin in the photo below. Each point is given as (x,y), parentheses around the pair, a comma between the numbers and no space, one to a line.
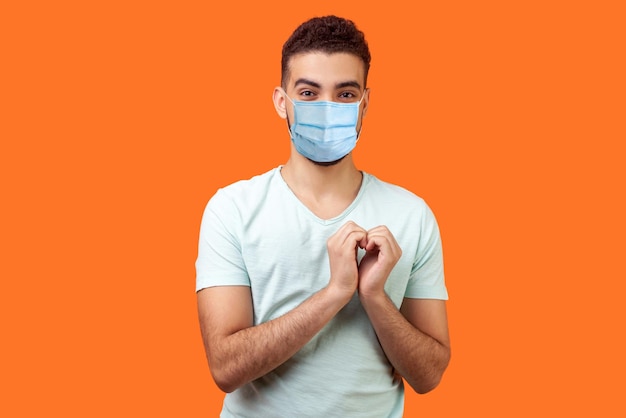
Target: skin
(414,338)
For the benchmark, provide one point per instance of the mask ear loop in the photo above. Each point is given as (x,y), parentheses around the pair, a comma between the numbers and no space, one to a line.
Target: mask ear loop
(287,96)
(287,113)
(361,116)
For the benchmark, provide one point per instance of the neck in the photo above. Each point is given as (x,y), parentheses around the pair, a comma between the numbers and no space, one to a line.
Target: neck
(326,190)
(304,175)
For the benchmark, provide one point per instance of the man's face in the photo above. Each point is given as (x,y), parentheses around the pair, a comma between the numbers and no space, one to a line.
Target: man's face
(337,77)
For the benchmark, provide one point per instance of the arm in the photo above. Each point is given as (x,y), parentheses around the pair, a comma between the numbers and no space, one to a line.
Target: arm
(414,338)
(239,352)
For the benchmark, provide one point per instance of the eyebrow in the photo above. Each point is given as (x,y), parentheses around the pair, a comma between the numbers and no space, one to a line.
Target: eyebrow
(308,82)
(348,84)
(319,86)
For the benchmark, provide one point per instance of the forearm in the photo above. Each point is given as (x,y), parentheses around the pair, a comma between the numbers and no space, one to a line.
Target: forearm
(252,352)
(418,357)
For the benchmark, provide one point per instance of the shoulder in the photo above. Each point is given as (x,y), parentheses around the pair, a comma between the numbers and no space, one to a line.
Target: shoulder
(235,200)
(399,205)
(244,190)
(393,193)
(254,185)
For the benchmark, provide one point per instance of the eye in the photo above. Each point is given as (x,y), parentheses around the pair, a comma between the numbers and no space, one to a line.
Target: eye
(308,94)
(347,96)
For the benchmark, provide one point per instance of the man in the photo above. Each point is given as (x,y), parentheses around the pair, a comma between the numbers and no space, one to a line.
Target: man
(319,286)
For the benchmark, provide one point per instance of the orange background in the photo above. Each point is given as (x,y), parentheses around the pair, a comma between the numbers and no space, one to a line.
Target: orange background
(120,120)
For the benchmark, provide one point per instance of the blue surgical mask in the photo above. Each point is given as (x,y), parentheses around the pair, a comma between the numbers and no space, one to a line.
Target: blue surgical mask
(324,131)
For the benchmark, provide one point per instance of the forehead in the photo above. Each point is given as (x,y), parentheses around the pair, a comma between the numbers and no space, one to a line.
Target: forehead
(326,69)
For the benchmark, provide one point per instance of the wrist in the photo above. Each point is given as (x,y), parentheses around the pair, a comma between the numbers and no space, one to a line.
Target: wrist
(338,295)
(373,297)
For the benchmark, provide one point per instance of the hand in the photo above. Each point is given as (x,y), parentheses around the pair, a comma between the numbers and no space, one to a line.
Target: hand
(382,254)
(342,254)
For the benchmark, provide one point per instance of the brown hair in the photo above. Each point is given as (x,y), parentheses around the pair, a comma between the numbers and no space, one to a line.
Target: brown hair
(329,34)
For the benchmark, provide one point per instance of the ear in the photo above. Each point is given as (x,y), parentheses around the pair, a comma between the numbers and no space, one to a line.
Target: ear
(366,100)
(278,96)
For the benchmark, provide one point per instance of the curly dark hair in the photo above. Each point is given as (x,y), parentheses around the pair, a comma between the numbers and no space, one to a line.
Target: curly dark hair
(329,34)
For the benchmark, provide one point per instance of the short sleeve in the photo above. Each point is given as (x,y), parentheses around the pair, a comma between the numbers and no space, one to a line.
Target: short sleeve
(427,277)
(220,261)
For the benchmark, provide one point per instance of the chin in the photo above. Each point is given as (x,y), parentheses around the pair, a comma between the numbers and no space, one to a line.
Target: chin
(328,163)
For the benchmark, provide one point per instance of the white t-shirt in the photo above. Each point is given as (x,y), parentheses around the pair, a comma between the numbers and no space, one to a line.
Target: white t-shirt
(257,233)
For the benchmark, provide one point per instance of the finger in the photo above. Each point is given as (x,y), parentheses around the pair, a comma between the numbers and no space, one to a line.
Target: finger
(379,230)
(375,242)
(355,238)
(346,239)
(383,231)
(347,231)
(386,244)
(340,234)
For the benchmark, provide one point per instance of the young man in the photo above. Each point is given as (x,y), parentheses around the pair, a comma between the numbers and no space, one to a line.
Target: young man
(319,286)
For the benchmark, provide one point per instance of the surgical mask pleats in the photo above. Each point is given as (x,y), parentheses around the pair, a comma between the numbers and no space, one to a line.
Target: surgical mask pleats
(324,131)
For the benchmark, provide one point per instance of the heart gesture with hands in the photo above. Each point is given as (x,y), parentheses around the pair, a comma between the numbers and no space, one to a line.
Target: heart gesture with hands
(382,252)
(342,251)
